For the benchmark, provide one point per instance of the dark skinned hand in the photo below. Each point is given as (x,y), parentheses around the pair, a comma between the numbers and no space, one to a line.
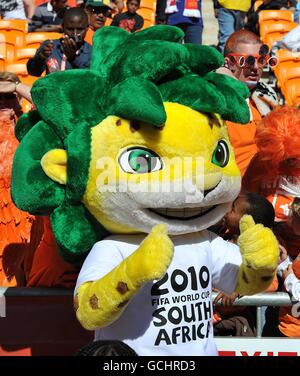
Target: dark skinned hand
(226,300)
(46,51)
(69,47)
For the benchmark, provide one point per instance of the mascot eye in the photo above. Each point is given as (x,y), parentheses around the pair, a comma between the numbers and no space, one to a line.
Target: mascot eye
(139,161)
(221,154)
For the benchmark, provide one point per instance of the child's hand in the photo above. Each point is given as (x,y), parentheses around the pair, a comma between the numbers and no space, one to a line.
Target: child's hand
(226,300)
(287,271)
(282,253)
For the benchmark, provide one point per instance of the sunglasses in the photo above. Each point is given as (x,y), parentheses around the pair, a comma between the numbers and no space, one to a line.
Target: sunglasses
(262,59)
(101,10)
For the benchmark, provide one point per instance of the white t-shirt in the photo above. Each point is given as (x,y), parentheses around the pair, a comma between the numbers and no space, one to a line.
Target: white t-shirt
(172,316)
(291,40)
(16,14)
(292,285)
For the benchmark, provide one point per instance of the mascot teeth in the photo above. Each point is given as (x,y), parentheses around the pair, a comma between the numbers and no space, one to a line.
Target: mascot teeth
(187,213)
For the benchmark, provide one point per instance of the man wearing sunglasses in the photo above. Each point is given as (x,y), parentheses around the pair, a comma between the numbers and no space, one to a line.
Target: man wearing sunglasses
(245,58)
(98,11)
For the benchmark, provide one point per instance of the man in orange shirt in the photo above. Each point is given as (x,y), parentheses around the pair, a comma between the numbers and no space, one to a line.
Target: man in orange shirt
(245,58)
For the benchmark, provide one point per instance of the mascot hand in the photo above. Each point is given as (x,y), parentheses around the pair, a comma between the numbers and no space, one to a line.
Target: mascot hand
(260,252)
(101,302)
(155,253)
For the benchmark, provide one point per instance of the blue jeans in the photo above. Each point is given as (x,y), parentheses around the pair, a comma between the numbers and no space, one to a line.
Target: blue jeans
(296,16)
(229,22)
(193,32)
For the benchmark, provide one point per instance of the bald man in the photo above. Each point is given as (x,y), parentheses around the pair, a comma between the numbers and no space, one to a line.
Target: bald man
(68,52)
(244,59)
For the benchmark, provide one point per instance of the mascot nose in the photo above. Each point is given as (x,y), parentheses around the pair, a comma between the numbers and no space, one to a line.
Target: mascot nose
(210,181)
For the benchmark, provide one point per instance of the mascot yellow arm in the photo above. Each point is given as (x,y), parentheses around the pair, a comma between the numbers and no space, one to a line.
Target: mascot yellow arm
(100,303)
(260,252)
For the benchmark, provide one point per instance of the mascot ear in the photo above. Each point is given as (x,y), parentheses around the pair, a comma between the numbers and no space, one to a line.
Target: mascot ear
(54,164)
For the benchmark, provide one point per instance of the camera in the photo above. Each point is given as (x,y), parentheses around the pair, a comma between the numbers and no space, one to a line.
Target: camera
(77,38)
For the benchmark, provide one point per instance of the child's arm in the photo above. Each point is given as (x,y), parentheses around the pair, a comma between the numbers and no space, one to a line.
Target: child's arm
(291,283)
(139,22)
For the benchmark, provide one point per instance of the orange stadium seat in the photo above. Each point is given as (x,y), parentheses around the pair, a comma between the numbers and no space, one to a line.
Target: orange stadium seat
(21,25)
(23,54)
(33,40)
(149,16)
(21,71)
(14,31)
(286,60)
(7,50)
(292,92)
(291,86)
(282,72)
(275,15)
(286,55)
(269,27)
(148,4)
(272,38)
(147,11)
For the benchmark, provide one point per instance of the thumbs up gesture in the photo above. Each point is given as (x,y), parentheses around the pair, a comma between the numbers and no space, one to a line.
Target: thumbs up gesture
(260,252)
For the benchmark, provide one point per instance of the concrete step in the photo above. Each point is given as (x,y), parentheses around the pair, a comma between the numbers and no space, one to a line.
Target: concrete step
(211,28)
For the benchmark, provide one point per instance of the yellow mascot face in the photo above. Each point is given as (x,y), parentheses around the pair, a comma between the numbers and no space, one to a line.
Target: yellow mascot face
(183,175)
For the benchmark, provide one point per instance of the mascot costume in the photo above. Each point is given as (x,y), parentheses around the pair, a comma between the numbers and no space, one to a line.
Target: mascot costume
(111,154)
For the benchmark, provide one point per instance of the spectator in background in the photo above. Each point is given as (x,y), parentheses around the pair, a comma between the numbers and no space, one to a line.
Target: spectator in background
(16,226)
(231,16)
(69,52)
(161,17)
(238,321)
(184,14)
(130,20)
(274,171)
(289,232)
(11,86)
(16,9)
(289,320)
(98,11)
(252,23)
(117,5)
(245,58)
(250,203)
(29,255)
(291,41)
(49,16)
